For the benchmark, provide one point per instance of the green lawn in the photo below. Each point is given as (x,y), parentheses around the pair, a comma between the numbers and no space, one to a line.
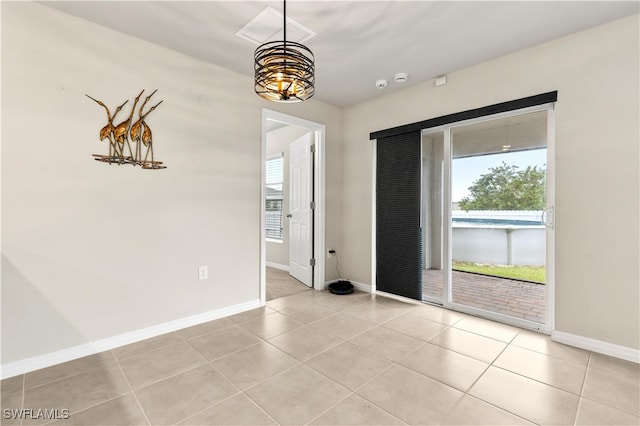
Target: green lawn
(526,273)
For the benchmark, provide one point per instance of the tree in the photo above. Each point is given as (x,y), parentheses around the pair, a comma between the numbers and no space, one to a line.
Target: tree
(506,188)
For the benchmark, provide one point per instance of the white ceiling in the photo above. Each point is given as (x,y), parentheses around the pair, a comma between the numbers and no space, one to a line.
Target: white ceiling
(357,42)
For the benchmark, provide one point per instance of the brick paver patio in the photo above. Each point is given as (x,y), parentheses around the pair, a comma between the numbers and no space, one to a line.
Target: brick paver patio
(510,297)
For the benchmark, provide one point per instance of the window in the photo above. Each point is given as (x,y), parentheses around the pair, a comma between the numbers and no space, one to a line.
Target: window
(274,198)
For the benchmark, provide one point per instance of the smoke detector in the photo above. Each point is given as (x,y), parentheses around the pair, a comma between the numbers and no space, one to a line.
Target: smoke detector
(381,84)
(401,77)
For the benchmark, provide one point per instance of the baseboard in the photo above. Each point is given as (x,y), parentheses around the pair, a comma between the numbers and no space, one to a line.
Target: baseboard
(69,354)
(598,346)
(277,266)
(362,287)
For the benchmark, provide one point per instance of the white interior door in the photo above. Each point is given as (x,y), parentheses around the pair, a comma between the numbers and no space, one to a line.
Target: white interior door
(300,214)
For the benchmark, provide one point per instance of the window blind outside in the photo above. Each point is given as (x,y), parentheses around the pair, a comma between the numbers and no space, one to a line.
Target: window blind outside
(274,223)
(398,236)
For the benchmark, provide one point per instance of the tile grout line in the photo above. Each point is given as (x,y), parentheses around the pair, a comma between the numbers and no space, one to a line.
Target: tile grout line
(146,352)
(238,392)
(465,392)
(396,363)
(74,375)
(584,383)
(144,413)
(260,408)
(96,405)
(520,346)
(342,341)
(231,353)
(52,381)
(536,380)
(460,353)
(106,400)
(520,375)
(24,391)
(275,335)
(244,392)
(354,392)
(489,365)
(307,323)
(487,337)
(299,362)
(332,406)
(218,330)
(447,327)
(279,373)
(186,339)
(192,367)
(438,380)
(393,362)
(351,392)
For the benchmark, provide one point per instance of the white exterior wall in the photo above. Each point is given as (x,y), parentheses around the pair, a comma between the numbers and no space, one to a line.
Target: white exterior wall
(480,245)
(499,245)
(528,246)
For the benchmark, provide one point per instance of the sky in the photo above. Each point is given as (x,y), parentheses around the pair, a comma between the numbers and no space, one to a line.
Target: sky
(466,170)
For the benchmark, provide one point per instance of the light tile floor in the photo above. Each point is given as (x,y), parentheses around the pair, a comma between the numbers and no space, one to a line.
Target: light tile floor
(281,284)
(318,358)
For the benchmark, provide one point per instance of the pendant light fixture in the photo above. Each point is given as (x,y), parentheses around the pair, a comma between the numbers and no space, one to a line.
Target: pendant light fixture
(284,71)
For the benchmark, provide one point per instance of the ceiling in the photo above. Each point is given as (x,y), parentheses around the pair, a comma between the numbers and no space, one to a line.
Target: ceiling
(357,42)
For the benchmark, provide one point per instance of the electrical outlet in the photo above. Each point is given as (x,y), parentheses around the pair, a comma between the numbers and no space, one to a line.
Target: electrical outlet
(203,273)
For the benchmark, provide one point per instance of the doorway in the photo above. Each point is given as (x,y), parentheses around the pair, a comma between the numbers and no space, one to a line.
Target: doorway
(487,184)
(293,198)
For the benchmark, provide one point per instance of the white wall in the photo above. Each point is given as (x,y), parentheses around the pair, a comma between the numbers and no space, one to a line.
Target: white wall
(597,132)
(278,141)
(91,251)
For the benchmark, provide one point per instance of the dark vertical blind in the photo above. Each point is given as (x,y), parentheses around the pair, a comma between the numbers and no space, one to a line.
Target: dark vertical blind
(398,241)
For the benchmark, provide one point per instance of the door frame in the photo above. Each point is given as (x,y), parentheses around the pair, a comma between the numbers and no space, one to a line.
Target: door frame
(318,237)
(549,325)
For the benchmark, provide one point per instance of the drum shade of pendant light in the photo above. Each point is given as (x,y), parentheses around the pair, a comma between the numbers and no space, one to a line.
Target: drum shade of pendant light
(284,71)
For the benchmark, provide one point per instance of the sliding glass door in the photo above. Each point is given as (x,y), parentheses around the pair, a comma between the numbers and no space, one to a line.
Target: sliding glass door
(485,220)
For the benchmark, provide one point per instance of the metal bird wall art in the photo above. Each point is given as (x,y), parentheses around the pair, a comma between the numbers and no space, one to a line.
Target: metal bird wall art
(124,133)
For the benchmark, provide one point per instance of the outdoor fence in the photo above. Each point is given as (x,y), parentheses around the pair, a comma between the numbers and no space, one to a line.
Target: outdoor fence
(498,237)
